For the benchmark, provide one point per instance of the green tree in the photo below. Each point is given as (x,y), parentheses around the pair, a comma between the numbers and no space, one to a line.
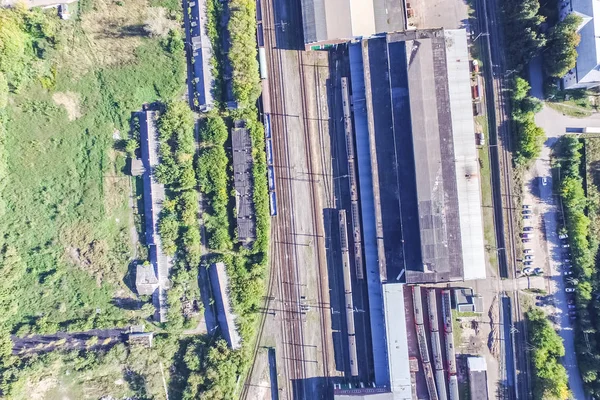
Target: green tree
(561,54)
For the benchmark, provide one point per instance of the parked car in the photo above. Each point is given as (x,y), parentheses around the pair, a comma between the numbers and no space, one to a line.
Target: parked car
(526,216)
(526,212)
(526,240)
(570,290)
(528,263)
(572,306)
(563,236)
(544,181)
(568,273)
(527,251)
(528,228)
(527,271)
(538,271)
(529,257)
(526,206)
(527,235)
(566,245)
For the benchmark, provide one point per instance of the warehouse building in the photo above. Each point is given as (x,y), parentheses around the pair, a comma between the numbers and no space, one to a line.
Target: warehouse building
(154,196)
(220,287)
(411,96)
(328,22)
(586,73)
(418,175)
(241,146)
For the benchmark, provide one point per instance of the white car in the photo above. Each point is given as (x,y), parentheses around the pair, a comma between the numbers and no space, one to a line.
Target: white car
(568,273)
(527,271)
(527,251)
(526,206)
(563,236)
(569,290)
(544,181)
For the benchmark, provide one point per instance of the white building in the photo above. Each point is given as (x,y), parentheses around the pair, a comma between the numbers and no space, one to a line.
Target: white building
(586,73)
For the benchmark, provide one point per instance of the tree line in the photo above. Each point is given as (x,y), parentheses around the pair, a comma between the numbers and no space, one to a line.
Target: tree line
(525,38)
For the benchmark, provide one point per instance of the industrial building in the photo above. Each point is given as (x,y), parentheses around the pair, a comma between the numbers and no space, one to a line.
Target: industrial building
(220,286)
(411,96)
(337,21)
(420,197)
(477,378)
(243,183)
(586,73)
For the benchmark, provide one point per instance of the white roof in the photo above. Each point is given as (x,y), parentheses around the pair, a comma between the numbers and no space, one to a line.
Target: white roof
(465,154)
(397,342)
(476,364)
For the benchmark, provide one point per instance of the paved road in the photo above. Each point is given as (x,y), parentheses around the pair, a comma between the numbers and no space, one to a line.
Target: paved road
(556,125)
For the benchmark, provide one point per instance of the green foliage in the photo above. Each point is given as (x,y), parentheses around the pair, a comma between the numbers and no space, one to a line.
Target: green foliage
(212,374)
(550,380)
(522,29)
(65,244)
(3,91)
(212,173)
(530,137)
(242,51)
(561,54)
(119,372)
(177,148)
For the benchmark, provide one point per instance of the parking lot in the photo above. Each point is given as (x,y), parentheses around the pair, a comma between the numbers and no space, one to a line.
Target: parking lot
(550,253)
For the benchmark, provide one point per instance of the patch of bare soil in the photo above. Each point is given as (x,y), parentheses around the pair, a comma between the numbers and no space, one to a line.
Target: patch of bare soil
(37,390)
(70,101)
(494,338)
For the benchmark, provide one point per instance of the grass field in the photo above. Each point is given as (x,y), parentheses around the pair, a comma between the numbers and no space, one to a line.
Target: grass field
(486,195)
(65,242)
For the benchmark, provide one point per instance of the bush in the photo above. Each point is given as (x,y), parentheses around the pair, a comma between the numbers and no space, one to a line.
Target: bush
(530,137)
(211,170)
(550,380)
(242,51)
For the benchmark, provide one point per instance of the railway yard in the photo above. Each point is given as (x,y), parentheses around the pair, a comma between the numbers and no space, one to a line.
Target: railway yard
(340,319)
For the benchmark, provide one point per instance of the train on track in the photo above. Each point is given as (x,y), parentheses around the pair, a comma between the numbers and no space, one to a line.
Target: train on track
(266,108)
(422,341)
(350,152)
(348,304)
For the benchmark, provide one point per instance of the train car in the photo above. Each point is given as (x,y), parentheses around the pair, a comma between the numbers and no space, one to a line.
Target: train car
(447,310)
(433,318)
(273,203)
(436,350)
(267,124)
(418,305)
(269,148)
(440,383)
(349,304)
(271,178)
(453,383)
(262,63)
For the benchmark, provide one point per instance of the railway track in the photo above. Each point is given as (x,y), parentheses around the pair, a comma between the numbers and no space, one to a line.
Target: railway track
(285,260)
(501,154)
(324,317)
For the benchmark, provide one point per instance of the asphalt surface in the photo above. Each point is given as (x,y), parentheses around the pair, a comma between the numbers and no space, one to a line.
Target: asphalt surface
(556,124)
